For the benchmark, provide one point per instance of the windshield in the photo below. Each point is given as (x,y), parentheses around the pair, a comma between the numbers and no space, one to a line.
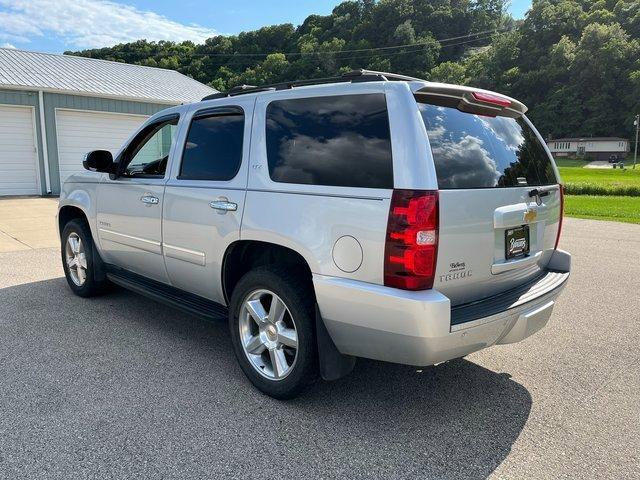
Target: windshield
(473,151)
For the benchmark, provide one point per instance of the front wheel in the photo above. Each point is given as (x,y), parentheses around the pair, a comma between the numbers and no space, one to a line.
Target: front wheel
(78,260)
(271,319)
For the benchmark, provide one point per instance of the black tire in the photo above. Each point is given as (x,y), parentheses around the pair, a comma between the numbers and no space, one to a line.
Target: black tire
(92,286)
(296,292)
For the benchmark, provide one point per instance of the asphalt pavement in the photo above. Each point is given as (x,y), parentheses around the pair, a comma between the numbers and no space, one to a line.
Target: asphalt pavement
(122,387)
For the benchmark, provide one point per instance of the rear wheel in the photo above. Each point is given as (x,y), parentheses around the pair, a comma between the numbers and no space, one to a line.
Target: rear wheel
(272,329)
(78,260)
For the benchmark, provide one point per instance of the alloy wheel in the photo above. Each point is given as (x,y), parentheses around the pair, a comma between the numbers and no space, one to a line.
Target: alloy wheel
(268,334)
(76,259)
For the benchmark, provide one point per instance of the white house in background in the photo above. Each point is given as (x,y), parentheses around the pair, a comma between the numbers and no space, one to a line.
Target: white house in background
(55,108)
(596,148)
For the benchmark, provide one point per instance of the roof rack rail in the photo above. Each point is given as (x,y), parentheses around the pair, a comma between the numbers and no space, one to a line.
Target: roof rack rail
(354,76)
(386,76)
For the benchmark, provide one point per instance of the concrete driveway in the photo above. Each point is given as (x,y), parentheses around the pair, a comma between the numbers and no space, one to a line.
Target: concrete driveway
(27,223)
(121,387)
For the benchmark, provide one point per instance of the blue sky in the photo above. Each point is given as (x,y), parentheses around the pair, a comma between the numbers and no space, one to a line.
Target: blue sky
(58,25)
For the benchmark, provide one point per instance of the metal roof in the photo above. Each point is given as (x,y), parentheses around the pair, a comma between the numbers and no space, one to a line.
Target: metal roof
(20,69)
(588,139)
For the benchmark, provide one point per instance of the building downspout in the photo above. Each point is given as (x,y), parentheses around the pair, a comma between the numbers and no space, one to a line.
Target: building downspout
(43,136)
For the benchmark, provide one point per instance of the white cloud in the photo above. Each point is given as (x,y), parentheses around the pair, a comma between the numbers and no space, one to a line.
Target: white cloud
(7,45)
(10,37)
(90,23)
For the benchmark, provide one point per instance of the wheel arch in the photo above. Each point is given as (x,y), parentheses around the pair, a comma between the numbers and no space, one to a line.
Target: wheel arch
(68,213)
(243,255)
(78,201)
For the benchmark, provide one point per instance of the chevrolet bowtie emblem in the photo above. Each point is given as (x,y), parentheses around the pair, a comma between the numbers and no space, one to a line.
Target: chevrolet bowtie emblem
(530,216)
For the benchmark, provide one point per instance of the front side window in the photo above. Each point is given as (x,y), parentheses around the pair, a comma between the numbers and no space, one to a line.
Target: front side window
(473,151)
(148,154)
(341,140)
(213,149)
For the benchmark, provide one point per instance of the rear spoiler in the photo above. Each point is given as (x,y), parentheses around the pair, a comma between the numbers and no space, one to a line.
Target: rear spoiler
(468,99)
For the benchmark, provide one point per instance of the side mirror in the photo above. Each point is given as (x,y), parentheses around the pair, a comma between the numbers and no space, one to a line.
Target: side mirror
(98,161)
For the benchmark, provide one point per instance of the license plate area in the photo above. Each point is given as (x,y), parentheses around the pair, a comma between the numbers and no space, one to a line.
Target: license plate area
(516,242)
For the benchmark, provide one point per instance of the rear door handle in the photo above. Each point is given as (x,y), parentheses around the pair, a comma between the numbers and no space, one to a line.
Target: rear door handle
(224,206)
(539,192)
(149,199)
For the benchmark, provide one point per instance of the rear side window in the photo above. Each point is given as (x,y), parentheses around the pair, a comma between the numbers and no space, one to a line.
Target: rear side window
(213,150)
(339,141)
(472,151)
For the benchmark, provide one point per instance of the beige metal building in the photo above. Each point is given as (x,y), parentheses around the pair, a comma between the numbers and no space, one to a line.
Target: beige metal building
(595,148)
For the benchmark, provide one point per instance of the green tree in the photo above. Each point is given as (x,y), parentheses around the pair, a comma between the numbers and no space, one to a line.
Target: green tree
(449,72)
(603,61)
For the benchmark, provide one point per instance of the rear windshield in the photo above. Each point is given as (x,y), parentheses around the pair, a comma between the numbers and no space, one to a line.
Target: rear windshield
(472,151)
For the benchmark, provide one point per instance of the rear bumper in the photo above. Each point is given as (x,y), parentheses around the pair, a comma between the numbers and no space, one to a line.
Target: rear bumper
(420,328)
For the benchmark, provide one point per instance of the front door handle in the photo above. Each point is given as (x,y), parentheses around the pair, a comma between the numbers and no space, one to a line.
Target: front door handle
(149,199)
(224,205)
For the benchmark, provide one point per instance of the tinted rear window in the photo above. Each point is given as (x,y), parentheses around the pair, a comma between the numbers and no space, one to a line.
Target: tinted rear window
(472,151)
(339,140)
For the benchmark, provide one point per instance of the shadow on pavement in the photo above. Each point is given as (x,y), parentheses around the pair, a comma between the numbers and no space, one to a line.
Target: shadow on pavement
(120,385)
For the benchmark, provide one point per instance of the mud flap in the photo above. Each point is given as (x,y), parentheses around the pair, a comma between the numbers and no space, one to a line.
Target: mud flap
(333,364)
(99,273)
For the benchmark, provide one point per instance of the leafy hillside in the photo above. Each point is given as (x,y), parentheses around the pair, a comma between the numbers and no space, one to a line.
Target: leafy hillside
(575,63)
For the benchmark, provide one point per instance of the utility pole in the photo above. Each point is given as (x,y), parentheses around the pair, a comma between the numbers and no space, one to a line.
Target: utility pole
(635,155)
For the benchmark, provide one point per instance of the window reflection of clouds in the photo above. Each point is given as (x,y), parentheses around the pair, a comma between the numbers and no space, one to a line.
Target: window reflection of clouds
(465,164)
(336,140)
(301,155)
(505,130)
(436,133)
(471,151)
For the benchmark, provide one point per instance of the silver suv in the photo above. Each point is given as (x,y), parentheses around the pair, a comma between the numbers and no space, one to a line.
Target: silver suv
(368,215)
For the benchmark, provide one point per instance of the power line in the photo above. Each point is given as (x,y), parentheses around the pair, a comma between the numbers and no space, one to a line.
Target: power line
(393,54)
(481,36)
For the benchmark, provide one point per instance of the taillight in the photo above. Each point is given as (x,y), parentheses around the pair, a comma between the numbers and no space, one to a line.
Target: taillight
(561,190)
(411,247)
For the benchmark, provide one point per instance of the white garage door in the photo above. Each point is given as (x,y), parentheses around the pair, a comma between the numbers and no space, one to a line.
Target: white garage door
(81,132)
(18,154)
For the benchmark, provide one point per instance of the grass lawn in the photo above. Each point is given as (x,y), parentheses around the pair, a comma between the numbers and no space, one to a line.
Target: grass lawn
(616,208)
(571,162)
(600,193)
(598,181)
